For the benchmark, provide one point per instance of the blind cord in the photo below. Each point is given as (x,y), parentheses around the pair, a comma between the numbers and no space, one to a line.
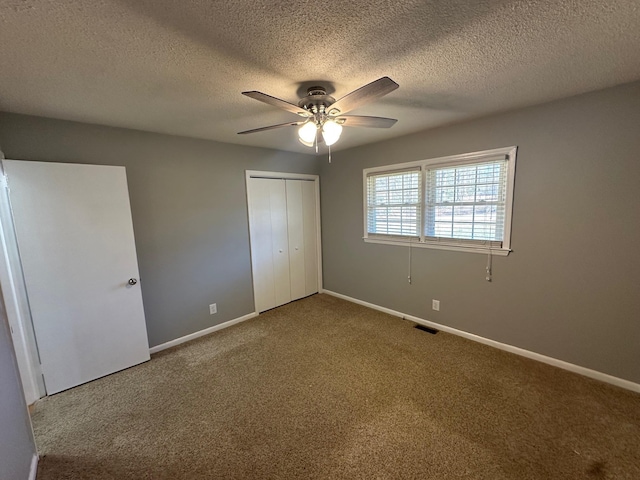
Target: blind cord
(409,276)
(489,264)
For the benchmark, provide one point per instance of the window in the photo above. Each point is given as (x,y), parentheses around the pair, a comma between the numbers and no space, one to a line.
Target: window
(461,202)
(394,206)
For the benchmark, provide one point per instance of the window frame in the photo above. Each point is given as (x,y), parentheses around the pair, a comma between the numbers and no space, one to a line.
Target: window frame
(473,246)
(419,217)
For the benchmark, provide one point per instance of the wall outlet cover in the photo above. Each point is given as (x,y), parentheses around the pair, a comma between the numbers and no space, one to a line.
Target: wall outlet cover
(435,304)
(213,308)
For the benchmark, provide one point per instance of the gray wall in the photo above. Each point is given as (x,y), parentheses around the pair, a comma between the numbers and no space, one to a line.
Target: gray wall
(188,201)
(571,287)
(16,441)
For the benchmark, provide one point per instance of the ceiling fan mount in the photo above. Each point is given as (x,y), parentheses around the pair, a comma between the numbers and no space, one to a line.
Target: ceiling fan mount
(324,115)
(317,100)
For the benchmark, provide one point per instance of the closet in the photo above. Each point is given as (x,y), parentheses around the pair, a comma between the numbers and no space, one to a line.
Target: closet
(283,226)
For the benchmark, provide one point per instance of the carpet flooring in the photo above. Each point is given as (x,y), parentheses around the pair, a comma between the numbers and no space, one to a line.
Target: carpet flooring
(325,389)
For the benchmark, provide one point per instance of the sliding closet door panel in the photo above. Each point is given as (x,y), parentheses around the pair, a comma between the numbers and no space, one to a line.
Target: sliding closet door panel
(278,204)
(296,238)
(261,244)
(269,243)
(310,229)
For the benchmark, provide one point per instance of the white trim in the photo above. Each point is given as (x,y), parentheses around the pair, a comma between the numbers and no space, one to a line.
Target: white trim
(498,252)
(18,318)
(318,233)
(17,302)
(291,176)
(460,158)
(508,212)
(587,372)
(284,175)
(33,471)
(201,333)
(365,204)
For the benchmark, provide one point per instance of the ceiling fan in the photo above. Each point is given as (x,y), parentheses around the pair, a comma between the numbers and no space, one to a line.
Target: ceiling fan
(324,116)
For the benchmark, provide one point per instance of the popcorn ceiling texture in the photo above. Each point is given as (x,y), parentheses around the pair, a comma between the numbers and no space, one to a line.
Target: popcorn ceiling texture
(179,66)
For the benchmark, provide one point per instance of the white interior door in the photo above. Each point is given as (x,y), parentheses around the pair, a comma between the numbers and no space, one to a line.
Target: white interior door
(295,223)
(303,254)
(269,242)
(75,235)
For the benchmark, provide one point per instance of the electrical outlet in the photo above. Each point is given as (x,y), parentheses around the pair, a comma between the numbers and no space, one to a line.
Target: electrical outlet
(435,304)
(213,308)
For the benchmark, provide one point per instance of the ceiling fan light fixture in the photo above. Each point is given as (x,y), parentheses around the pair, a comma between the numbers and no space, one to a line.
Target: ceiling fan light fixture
(325,114)
(307,134)
(331,132)
(305,143)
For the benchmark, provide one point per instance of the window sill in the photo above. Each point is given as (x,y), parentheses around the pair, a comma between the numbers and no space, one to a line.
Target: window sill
(500,252)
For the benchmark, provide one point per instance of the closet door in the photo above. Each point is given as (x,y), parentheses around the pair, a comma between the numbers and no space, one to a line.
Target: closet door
(269,242)
(303,254)
(310,226)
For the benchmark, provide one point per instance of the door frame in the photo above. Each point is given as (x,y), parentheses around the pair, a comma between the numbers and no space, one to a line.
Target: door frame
(286,176)
(16,301)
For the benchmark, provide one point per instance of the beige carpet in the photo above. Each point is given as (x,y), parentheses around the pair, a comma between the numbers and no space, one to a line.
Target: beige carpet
(325,389)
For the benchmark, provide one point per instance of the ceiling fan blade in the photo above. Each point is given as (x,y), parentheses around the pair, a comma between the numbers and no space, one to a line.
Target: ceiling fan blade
(276,102)
(271,127)
(371,122)
(363,95)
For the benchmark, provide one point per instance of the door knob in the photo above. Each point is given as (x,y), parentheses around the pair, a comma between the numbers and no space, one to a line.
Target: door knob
(132,281)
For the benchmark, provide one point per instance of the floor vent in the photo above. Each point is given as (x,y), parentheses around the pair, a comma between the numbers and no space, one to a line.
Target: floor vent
(430,330)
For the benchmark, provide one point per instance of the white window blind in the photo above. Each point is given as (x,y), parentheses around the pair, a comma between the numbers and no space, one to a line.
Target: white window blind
(461,202)
(466,204)
(394,206)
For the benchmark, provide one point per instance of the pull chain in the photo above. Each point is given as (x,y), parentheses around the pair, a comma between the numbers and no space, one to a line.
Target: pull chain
(409,276)
(409,272)
(489,265)
(329,153)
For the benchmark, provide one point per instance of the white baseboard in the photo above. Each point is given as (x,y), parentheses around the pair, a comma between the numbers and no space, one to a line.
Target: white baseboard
(206,331)
(587,372)
(33,471)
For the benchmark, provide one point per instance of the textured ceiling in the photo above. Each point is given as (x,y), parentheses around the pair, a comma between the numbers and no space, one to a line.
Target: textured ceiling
(178,66)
